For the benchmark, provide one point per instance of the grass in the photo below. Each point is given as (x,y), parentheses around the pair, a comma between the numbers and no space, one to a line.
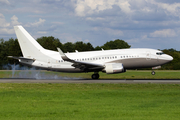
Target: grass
(89,101)
(130,74)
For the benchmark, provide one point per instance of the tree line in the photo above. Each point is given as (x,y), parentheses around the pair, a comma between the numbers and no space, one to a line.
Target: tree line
(11,48)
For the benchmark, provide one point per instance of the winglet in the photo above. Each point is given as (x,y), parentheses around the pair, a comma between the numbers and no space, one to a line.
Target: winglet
(63,56)
(60,52)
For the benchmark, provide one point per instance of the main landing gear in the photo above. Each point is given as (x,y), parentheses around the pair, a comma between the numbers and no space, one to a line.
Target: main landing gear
(95,75)
(153,73)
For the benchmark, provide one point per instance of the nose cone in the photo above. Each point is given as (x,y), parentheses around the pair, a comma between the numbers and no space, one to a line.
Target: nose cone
(169,58)
(163,59)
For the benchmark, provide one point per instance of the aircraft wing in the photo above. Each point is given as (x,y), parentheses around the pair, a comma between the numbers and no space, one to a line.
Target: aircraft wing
(81,65)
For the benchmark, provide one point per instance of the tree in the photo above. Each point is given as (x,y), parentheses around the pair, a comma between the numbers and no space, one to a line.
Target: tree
(89,47)
(68,47)
(80,46)
(50,43)
(97,48)
(9,48)
(116,44)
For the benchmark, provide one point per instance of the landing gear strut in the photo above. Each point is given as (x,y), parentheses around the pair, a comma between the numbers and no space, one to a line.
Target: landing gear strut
(153,73)
(95,76)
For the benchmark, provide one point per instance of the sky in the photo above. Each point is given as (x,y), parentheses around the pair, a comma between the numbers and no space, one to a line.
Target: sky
(141,23)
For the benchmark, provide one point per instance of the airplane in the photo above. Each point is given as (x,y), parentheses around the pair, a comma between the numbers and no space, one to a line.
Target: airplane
(107,61)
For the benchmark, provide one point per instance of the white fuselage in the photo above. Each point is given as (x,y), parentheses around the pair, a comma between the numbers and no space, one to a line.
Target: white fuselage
(130,58)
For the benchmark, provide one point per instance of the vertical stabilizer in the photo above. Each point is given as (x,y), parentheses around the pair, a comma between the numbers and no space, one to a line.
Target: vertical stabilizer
(29,46)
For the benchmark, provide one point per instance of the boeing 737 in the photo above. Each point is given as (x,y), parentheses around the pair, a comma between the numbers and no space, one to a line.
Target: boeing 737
(108,61)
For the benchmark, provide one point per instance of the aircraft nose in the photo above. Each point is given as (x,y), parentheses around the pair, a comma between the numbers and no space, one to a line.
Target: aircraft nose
(169,58)
(165,58)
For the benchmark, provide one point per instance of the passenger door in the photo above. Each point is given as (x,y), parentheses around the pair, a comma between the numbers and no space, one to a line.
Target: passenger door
(148,55)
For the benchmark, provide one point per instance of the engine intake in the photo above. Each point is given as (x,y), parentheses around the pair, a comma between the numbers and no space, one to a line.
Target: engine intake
(111,68)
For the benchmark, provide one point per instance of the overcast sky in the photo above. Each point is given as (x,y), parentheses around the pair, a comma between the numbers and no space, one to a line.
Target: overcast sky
(141,23)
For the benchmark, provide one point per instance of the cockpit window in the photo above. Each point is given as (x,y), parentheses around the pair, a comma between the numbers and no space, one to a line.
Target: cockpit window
(159,53)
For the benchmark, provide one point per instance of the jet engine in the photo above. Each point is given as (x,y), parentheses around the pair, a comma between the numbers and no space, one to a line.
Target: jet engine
(111,68)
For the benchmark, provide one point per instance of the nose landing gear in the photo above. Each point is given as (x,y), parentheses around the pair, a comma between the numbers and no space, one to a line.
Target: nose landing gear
(153,73)
(153,68)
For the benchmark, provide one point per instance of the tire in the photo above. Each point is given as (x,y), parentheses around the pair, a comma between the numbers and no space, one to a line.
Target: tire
(153,73)
(95,76)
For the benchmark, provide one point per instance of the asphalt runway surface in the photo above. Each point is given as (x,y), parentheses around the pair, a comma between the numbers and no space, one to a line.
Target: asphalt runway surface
(25,80)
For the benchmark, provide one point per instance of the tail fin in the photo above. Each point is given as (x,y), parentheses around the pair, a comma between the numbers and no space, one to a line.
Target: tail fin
(29,46)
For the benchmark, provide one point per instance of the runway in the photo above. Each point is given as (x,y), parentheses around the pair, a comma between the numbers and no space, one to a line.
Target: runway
(21,80)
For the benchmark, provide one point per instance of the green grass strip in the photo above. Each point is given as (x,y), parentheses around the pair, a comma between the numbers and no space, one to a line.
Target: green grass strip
(89,101)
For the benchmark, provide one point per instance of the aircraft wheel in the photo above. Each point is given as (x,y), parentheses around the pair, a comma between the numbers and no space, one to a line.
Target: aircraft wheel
(95,76)
(153,73)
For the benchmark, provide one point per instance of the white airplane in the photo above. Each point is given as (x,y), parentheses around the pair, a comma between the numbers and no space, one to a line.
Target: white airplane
(108,61)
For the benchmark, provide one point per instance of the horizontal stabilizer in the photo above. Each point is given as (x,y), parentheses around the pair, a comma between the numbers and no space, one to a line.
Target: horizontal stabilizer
(20,58)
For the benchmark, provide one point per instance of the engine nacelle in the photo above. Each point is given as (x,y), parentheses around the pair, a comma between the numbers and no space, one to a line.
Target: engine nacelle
(111,68)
